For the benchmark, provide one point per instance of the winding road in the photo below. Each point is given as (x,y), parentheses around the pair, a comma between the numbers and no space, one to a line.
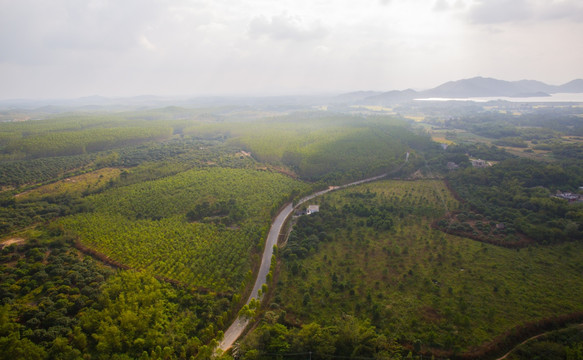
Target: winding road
(237,327)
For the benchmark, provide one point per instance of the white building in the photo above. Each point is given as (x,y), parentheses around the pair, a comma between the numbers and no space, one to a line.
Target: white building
(312,209)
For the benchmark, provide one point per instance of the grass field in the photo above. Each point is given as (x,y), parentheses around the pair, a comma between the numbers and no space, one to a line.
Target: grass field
(420,284)
(92,181)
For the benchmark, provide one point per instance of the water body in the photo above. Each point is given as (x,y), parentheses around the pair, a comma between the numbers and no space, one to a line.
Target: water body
(554,98)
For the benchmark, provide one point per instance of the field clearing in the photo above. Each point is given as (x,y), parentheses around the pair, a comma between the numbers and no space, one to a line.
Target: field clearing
(572,139)
(11,241)
(541,155)
(74,185)
(373,108)
(416,118)
(420,284)
(442,140)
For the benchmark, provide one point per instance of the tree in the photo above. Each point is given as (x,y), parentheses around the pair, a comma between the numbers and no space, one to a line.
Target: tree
(313,337)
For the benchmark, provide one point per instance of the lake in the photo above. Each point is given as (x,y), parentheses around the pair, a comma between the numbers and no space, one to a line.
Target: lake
(559,97)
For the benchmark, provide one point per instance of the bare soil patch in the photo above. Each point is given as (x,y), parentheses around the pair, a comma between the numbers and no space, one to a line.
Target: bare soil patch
(11,241)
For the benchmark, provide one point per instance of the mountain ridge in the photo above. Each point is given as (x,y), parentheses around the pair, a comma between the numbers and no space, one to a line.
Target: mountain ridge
(476,87)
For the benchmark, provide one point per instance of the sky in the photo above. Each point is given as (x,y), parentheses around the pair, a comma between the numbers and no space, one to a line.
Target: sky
(76,48)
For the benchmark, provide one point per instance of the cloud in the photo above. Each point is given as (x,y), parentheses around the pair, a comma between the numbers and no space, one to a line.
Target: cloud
(507,11)
(500,11)
(106,25)
(30,27)
(285,27)
(446,5)
(566,9)
(147,44)
(441,5)
(112,47)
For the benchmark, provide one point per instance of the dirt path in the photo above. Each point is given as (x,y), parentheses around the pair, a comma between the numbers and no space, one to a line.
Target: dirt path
(534,338)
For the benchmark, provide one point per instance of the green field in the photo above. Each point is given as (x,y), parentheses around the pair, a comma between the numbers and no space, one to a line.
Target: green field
(180,200)
(414,283)
(145,226)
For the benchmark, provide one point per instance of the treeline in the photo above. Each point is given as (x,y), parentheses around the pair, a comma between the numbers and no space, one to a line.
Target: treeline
(519,192)
(345,337)
(20,214)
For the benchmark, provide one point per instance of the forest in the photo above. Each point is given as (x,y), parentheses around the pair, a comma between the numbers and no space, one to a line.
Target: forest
(519,193)
(156,220)
(138,234)
(349,287)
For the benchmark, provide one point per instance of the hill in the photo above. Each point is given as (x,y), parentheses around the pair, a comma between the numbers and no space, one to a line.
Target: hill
(466,88)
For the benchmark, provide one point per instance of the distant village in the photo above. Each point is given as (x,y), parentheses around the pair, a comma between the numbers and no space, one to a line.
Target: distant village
(477,163)
(570,197)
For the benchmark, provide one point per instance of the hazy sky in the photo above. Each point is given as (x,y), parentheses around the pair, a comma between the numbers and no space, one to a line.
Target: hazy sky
(73,48)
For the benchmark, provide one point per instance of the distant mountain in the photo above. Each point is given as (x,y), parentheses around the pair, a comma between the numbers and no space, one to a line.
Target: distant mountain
(356,96)
(392,97)
(474,87)
(575,86)
(481,87)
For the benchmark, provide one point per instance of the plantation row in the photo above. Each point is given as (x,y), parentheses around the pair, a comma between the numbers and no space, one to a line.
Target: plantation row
(258,192)
(200,255)
(145,225)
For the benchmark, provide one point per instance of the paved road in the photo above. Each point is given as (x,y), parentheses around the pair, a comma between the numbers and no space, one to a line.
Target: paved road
(237,327)
(235,330)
